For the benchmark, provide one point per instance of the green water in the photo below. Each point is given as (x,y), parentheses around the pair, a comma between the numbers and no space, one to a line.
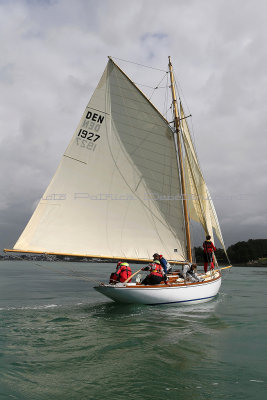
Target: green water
(60,339)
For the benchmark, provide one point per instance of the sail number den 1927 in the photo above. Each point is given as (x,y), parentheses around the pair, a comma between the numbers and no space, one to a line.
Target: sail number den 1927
(88,134)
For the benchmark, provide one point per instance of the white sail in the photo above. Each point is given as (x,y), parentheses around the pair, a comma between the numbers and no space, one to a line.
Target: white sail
(116,192)
(201,208)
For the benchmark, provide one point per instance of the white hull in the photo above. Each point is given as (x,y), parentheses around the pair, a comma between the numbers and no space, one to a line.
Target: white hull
(190,293)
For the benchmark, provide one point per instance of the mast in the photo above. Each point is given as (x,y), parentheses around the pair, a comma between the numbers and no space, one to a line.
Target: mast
(179,145)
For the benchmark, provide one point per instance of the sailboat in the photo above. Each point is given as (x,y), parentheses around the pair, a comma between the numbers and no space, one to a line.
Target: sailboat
(127,186)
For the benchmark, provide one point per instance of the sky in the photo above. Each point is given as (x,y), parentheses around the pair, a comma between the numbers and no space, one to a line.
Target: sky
(53,53)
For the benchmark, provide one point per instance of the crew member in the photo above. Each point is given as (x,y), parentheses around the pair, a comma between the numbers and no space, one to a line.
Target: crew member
(164,263)
(123,272)
(156,273)
(189,272)
(208,249)
(113,276)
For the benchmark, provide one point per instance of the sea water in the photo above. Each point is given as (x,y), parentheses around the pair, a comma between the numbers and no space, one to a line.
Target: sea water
(60,339)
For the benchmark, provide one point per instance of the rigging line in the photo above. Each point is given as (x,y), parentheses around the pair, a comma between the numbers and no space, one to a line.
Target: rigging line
(166,99)
(193,241)
(165,96)
(180,90)
(189,167)
(141,65)
(194,154)
(151,87)
(173,171)
(179,177)
(192,136)
(217,226)
(166,102)
(167,112)
(180,173)
(167,92)
(68,274)
(154,222)
(166,74)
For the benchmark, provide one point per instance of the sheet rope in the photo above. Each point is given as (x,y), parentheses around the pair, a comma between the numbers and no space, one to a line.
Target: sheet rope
(71,274)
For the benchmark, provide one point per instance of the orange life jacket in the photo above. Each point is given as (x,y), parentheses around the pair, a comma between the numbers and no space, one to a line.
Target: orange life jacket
(156,269)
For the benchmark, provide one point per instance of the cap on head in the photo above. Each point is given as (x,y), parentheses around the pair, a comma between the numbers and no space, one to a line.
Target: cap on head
(124,264)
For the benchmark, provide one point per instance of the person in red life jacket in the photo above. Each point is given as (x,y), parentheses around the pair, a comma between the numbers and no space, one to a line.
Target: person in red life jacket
(208,249)
(123,272)
(164,263)
(113,279)
(156,273)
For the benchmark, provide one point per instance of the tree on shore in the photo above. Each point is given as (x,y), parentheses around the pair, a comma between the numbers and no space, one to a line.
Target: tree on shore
(240,252)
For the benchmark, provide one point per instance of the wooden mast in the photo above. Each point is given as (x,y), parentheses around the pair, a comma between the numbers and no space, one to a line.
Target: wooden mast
(177,129)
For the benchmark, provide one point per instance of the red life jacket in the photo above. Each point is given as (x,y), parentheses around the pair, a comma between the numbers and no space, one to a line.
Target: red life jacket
(156,270)
(208,246)
(124,273)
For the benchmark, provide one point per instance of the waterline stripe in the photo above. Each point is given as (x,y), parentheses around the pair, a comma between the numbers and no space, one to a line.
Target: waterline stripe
(182,301)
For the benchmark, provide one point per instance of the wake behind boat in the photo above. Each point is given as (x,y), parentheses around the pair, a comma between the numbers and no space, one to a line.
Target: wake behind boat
(129,183)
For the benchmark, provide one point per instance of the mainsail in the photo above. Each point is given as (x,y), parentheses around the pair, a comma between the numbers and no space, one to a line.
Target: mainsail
(116,192)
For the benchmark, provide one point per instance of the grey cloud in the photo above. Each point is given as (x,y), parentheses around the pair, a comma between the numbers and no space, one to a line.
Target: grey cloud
(54,54)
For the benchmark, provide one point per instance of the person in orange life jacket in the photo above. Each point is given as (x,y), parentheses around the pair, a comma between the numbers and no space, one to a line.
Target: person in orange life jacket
(156,273)
(123,272)
(163,263)
(208,249)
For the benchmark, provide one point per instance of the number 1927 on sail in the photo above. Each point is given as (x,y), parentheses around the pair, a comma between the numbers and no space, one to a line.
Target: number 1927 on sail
(83,136)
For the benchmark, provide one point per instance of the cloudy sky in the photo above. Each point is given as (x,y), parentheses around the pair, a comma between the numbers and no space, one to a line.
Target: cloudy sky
(53,53)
